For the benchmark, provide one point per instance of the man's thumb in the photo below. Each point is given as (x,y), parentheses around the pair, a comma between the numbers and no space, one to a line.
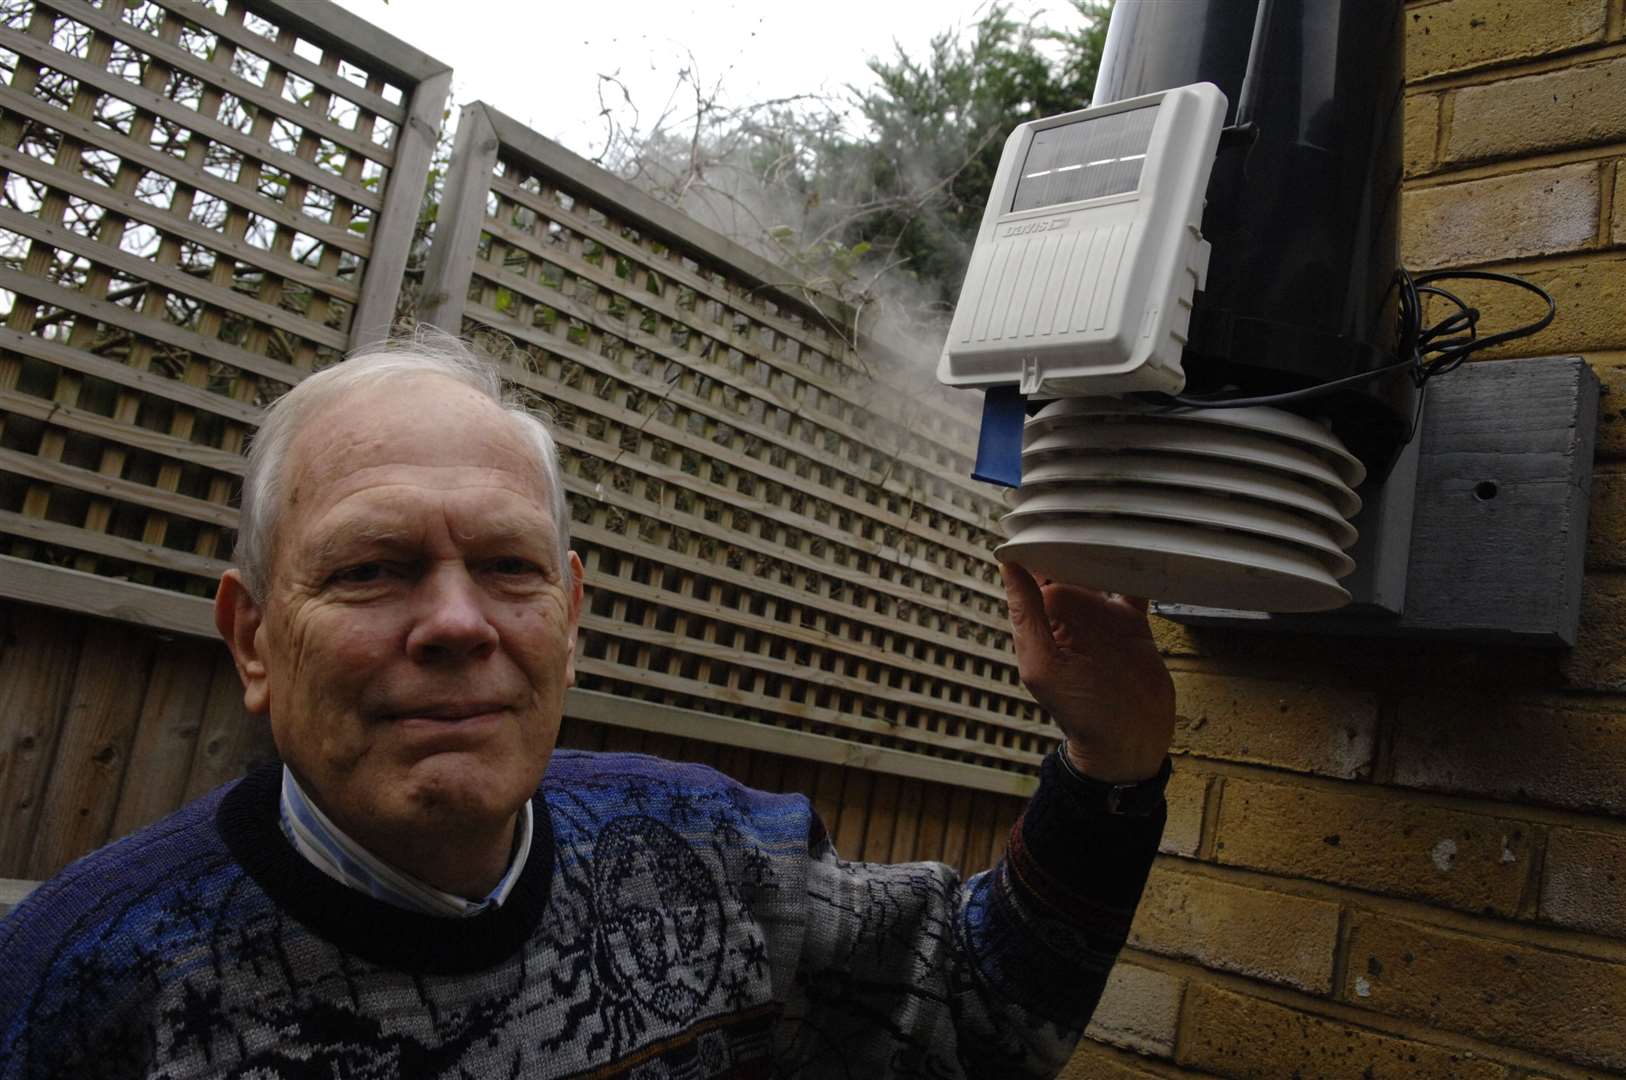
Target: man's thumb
(1029,623)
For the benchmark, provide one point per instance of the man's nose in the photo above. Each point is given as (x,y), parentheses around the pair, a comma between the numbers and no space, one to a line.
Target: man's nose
(451,619)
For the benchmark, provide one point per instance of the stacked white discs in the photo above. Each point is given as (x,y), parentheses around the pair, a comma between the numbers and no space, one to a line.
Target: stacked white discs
(1238,508)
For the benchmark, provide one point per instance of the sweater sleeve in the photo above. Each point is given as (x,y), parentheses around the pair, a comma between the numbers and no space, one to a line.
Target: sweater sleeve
(909,971)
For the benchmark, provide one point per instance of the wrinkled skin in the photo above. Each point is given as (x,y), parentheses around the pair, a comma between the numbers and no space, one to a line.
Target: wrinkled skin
(1089,659)
(418,632)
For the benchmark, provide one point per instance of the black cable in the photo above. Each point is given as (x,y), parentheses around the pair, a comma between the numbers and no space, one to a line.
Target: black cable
(1411,314)
(1286,397)
(1428,351)
(1452,355)
(1466,318)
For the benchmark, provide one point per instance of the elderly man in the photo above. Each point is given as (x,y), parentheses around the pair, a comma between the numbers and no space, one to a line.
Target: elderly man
(425,888)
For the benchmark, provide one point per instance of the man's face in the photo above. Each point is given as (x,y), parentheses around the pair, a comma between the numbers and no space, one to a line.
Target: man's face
(418,632)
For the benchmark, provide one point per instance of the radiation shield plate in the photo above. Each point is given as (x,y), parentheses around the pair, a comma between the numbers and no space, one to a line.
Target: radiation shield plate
(1196,474)
(1205,567)
(1257,419)
(1202,513)
(1149,436)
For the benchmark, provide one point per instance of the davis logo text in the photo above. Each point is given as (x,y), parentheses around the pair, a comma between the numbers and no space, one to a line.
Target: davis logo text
(1025,227)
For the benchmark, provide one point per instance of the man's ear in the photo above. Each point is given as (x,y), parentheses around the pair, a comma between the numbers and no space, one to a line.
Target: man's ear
(576,575)
(238,619)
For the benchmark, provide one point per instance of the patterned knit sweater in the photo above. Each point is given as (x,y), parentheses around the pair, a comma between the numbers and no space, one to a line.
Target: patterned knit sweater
(669,924)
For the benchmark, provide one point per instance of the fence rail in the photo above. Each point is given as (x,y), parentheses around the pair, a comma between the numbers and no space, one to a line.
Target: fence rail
(105,727)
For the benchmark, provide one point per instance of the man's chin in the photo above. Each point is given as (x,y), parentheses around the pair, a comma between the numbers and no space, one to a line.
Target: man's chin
(460,788)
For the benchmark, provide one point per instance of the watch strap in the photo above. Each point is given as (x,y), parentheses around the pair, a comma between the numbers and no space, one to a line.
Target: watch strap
(1138,799)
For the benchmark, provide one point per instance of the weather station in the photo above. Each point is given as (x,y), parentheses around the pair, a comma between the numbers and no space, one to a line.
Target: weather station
(1209,380)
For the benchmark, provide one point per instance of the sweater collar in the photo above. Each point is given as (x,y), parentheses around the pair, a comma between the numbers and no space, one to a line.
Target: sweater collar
(249,822)
(338,855)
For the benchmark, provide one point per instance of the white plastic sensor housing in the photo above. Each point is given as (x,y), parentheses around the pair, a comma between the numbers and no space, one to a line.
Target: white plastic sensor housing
(1090,250)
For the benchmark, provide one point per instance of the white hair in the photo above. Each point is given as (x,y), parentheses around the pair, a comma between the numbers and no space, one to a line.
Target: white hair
(427,352)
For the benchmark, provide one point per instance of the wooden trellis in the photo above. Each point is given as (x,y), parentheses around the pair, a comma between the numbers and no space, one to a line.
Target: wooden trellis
(203,202)
(770,532)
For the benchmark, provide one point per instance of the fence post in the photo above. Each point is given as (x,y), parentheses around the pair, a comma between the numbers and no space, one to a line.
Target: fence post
(396,222)
(457,229)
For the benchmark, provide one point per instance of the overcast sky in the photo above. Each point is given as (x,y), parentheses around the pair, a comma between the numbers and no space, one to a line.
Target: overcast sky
(539,62)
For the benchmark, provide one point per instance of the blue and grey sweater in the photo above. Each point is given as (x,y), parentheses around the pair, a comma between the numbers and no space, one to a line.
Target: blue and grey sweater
(669,923)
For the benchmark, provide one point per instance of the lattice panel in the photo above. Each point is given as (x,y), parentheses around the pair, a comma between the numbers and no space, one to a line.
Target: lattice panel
(768,532)
(191,197)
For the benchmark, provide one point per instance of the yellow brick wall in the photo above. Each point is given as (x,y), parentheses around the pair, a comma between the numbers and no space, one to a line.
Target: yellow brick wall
(1404,860)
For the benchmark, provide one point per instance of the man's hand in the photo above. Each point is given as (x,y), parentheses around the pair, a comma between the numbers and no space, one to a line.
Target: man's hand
(1089,659)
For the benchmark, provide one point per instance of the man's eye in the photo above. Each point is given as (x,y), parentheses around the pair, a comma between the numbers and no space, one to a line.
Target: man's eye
(513,567)
(360,574)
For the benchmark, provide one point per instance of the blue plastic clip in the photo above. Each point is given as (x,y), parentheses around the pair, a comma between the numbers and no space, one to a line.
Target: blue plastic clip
(999,443)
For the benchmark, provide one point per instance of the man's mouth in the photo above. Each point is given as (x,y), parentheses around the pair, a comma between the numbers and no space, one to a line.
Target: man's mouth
(447,713)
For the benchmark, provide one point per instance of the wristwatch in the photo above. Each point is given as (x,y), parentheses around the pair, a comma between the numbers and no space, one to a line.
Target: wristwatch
(1139,799)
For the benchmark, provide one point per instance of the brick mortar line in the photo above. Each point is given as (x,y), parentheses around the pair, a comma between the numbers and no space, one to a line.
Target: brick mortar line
(1606,207)
(1383,739)
(1340,947)
(1208,831)
(1185,659)
(1496,71)
(1327,672)
(1398,1027)
(1544,262)
(1612,355)
(1521,813)
(1529,905)
(1502,168)
(1265,669)
(1582,691)
(1146,1064)
(1184,1023)
(1442,124)
(1575,944)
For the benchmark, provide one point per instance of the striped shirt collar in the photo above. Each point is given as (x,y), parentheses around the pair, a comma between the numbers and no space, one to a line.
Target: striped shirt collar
(326,847)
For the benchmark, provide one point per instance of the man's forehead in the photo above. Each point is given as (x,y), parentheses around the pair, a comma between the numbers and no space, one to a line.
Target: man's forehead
(421,419)
(389,463)
(404,516)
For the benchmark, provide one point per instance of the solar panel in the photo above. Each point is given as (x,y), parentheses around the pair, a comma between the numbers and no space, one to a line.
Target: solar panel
(1086,159)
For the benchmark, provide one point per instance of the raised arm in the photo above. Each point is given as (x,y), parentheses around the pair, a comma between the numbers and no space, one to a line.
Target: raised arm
(908,971)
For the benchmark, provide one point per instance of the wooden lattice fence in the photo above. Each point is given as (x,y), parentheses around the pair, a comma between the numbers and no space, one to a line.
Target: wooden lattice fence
(105,727)
(202,203)
(772,531)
